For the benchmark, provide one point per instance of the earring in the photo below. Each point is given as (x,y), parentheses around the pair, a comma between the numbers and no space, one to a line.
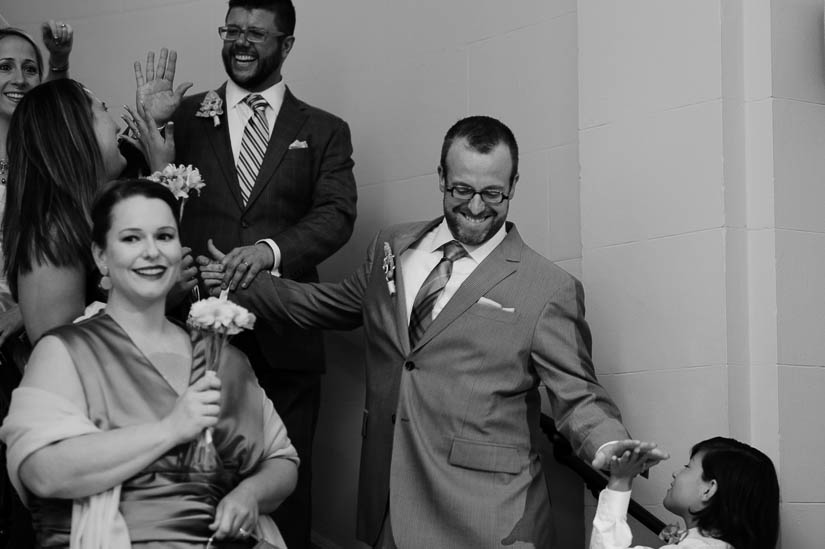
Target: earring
(105,282)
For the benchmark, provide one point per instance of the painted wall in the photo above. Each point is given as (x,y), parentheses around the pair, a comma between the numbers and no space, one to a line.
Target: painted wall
(400,73)
(695,127)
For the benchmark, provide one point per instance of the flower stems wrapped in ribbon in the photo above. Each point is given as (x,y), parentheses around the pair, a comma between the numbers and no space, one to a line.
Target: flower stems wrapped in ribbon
(217,320)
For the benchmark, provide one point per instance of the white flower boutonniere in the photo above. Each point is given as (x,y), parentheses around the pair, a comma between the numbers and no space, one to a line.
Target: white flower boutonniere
(211,107)
(389,268)
(672,534)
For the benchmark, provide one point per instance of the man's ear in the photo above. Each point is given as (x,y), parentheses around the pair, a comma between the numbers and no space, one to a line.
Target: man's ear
(710,491)
(286,47)
(513,187)
(441,184)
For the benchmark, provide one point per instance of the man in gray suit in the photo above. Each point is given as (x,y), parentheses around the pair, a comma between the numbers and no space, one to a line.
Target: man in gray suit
(463,322)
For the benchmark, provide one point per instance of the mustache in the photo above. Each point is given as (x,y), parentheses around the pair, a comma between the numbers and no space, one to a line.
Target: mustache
(240,49)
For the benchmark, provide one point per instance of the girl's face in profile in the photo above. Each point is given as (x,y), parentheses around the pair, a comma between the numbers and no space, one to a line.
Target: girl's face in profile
(689,492)
(106,131)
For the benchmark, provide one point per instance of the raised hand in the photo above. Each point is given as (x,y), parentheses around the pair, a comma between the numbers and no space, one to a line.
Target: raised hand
(653,455)
(157,148)
(154,89)
(58,37)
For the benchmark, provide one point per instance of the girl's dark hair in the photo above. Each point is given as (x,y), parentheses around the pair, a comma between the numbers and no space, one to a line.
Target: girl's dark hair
(20,33)
(744,511)
(119,190)
(55,168)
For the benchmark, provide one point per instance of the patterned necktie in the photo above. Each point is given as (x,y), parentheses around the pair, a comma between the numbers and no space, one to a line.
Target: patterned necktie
(253,144)
(422,310)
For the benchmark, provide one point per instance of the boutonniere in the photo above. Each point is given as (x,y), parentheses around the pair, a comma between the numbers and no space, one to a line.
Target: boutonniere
(671,534)
(389,268)
(211,107)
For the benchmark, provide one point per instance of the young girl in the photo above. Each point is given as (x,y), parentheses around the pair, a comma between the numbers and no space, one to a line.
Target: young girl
(728,496)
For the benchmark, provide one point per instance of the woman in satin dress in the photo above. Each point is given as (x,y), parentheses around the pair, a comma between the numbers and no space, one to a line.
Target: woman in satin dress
(99,429)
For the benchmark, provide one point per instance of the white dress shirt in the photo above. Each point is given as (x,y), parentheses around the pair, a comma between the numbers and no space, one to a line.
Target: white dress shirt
(610,529)
(419,259)
(238,114)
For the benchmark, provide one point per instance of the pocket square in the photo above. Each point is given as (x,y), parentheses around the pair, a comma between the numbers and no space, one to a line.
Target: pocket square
(298,145)
(487,302)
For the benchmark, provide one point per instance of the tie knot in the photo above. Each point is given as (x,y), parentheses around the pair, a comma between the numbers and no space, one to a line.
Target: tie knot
(256,101)
(453,251)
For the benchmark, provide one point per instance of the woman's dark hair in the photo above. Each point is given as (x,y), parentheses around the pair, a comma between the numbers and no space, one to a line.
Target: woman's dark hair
(744,511)
(119,190)
(55,168)
(19,33)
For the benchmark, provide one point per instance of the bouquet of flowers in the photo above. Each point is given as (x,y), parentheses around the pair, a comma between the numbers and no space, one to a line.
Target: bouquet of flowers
(181,180)
(217,319)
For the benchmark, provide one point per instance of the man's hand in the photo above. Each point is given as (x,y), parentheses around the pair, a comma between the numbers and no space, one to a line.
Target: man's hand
(58,38)
(616,449)
(154,90)
(625,467)
(242,264)
(211,269)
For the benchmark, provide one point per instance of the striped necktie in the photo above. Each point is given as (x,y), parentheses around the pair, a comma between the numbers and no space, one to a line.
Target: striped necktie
(253,145)
(422,310)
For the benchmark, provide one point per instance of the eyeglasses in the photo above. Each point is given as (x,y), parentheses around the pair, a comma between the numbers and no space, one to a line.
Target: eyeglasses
(254,36)
(489,196)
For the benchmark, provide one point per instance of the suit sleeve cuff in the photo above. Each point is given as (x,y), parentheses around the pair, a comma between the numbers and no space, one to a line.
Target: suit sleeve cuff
(276,255)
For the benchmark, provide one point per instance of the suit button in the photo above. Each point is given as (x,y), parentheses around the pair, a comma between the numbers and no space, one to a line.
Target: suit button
(409,365)
(245,224)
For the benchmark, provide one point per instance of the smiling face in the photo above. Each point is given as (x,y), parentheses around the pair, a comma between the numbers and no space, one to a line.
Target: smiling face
(18,72)
(689,492)
(255,67)
(106,131)
(473,221)
(143,251)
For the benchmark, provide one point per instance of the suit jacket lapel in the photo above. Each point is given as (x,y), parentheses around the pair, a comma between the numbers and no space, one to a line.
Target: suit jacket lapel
(501,263)
(289,122)
(399,246)
(222,147)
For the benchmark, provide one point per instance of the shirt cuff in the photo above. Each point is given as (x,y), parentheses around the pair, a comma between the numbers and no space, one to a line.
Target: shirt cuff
(276,255)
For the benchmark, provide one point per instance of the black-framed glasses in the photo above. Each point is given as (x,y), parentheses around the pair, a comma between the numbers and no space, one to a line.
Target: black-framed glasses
(489,196)
(231,33)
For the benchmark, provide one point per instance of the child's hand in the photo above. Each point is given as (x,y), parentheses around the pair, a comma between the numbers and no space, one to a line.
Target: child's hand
(623,468)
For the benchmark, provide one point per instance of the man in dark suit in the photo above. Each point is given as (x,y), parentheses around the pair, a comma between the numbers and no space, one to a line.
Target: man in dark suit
(463,322)
(280,194)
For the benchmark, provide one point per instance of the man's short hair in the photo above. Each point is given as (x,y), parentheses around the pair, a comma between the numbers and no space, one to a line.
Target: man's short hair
(483,134)
(283,9)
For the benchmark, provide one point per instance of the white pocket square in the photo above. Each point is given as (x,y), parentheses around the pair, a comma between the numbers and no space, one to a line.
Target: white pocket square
(495,305)
(298,145)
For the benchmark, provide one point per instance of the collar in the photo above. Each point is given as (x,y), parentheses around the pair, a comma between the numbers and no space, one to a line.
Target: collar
(274,94)
(478,253)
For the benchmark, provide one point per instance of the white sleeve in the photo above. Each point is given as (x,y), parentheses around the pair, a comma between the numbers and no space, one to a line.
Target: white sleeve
(276,440)
(610,529)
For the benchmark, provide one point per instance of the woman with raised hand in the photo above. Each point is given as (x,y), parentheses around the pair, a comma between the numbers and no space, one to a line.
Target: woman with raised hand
(63,145)
(98,430)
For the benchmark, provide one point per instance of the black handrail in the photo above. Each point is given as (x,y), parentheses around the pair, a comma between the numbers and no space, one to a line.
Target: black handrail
(593,480)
